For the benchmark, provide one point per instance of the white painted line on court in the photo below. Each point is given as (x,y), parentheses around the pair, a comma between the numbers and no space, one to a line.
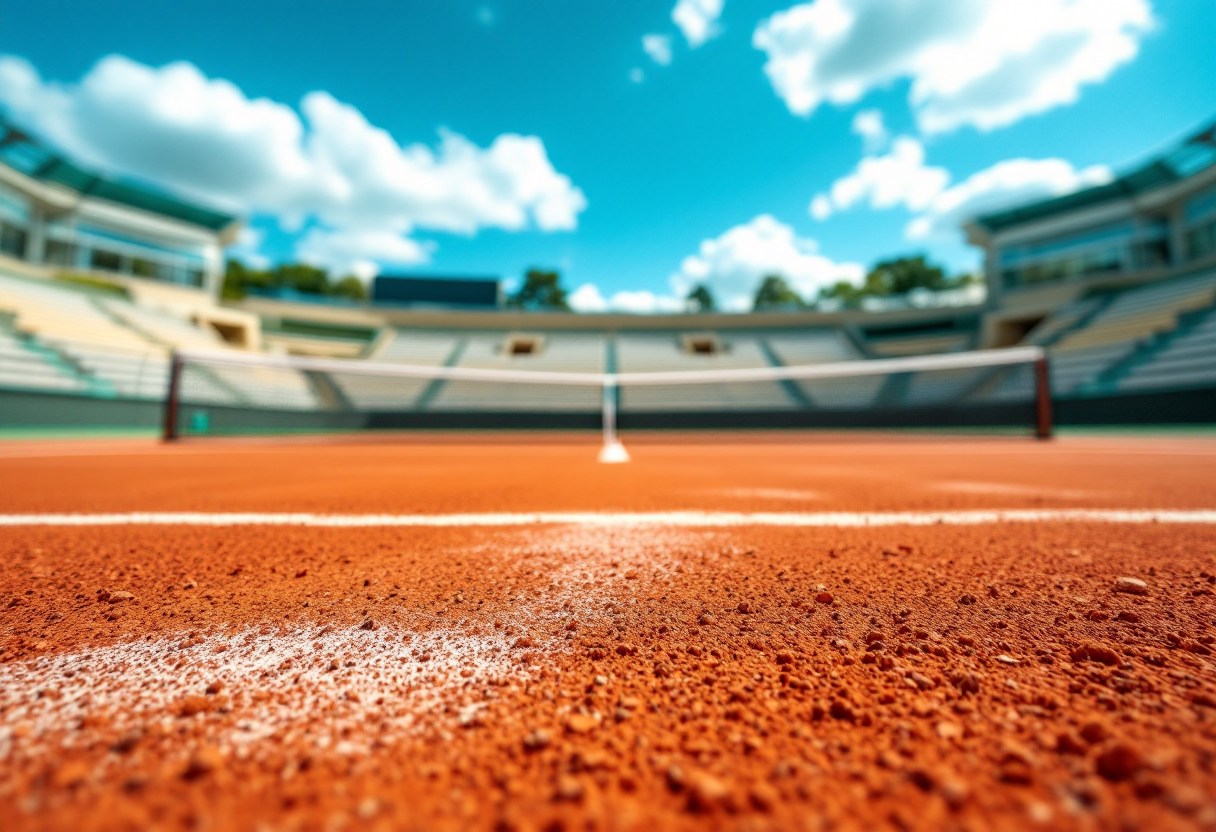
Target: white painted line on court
(685,519)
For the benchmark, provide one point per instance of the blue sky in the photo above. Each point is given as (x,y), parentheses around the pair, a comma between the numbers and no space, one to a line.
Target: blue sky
(568,146)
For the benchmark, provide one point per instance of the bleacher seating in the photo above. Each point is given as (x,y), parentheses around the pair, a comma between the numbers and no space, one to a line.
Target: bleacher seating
(163,328)
(1187,360)
(1139,313)
(553,352)
(431,349)
(24,366)
(822,346)
(1060,321)
(121,361)
(816,346)
(662,352)
(895,347)
(1082,355)
(121,349)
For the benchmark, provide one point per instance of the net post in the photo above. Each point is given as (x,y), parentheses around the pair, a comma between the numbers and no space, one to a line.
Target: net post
(612,451)
(170,433)
(1042,389)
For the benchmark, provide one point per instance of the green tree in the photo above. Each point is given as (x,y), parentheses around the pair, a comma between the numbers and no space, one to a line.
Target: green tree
(700,299)
(774,293)
(303,278)
(236,280)
(897,276)
(240,280)
(349,287)
(542,290)
(903,274)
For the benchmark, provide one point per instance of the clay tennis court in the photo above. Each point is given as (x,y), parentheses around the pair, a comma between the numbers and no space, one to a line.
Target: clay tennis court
(785,632)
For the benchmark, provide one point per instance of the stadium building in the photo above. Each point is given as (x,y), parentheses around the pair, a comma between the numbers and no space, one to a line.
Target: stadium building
(1117,283)
(57,215)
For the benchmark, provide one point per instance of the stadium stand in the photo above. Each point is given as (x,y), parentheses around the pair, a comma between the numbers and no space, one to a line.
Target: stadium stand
(547,352)
(1080,356)
(665,352)
(1062,320)
(119,349)
(27,365)
(1187,358)
(118,361)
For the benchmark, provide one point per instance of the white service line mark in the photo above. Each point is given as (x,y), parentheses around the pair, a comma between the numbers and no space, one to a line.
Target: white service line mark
(684,519)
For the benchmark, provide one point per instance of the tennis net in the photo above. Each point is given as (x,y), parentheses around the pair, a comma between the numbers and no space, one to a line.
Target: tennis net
(234,393)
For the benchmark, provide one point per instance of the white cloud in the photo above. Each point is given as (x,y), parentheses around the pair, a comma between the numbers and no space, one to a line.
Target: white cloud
(636,75)
(359,252)
(898,178)
(873,131)
(204,138)
(985,63)
(645,303)
(733,264)
(821,207)
(658,47)
(1003,185)
(248,248)
(697,19)
(902,179)
(588,298)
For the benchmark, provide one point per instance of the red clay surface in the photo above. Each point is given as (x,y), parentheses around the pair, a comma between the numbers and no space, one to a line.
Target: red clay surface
(582,677)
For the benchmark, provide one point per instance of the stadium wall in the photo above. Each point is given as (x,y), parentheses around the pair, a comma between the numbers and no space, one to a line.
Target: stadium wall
(33,410)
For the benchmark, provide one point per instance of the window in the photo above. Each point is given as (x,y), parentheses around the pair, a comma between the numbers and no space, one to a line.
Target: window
(1201,241)
(60,253)
(1106,249)
(702,344)
(1200,214)
(12,240)
(143,268)
(1200,207)
(522,345)
(106,261)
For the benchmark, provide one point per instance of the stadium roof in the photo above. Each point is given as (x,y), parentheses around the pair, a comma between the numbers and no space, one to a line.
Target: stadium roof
(23,153)
(1196,153)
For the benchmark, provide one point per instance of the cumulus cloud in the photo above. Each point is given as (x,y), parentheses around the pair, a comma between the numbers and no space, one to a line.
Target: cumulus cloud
(360,252)
(658,47)
(733,264)
(205,139)
(1003,185)
(697,19)
(247,247)
(588,298)
(898,178)
(870,126)
(984,63)
(902,179)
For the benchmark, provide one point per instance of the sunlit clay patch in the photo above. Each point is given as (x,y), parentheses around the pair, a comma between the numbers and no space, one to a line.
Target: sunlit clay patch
(252,684)
(332,689)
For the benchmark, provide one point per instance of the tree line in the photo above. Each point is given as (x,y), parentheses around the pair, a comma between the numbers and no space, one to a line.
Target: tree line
(240,281)
(542,289)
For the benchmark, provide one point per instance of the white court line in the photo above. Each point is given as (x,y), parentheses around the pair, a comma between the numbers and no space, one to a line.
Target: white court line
(686,519)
